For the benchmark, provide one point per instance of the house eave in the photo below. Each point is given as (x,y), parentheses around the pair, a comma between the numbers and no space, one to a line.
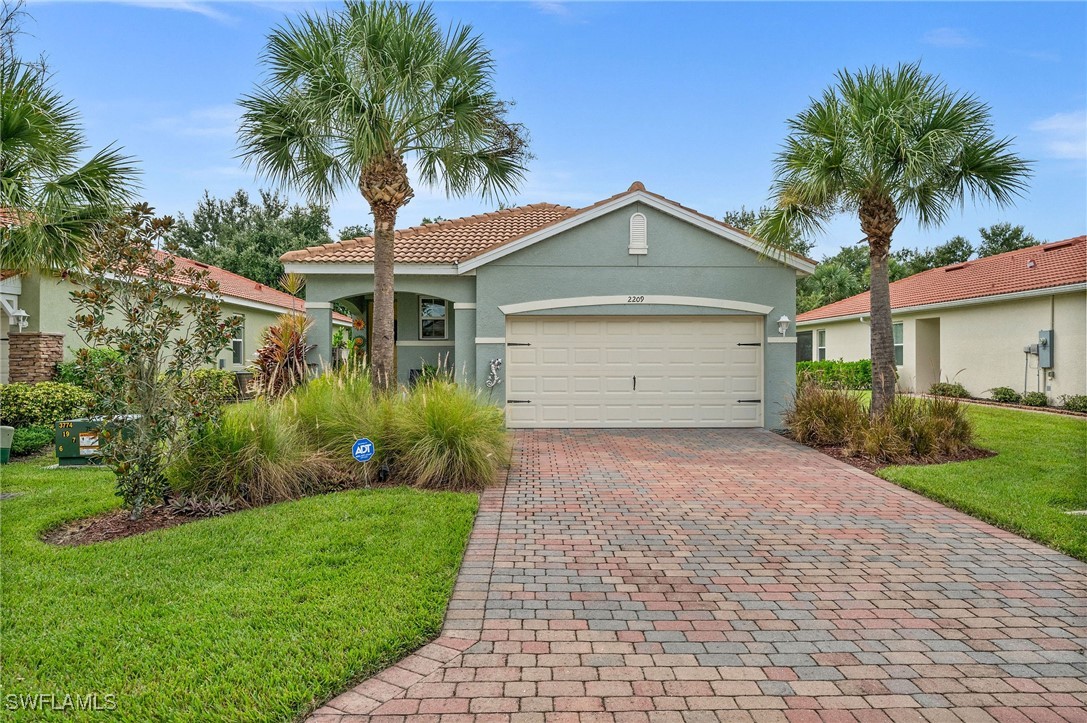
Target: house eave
(972,301)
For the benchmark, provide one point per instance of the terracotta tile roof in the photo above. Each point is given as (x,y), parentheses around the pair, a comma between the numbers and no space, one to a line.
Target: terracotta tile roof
(451,242)
(446,242)
(239,287)
(1038,267)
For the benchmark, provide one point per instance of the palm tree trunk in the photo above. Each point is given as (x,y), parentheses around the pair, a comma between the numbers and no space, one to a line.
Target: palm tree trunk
(878,221)
(381,335)
(385,186)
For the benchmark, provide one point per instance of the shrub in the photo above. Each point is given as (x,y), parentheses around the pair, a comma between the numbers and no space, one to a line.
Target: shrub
(1074,402)
(28,440)
(1007,395)
(89,365)
(1035,399)
(42,404)
(338,407)
(447,436)
(949,389)
(219,383)
(823,416)
(848,375)
(911,429)
(255,455)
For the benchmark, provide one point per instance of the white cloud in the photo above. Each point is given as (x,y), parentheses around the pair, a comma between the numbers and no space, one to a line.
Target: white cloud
(551,7)
(949,38)
(1064,134)
(219,121)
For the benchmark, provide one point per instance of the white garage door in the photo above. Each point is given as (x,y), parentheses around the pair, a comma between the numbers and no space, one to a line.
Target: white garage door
(649,371)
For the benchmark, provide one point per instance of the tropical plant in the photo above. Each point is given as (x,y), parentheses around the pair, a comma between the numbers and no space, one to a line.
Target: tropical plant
(880,143)
(52,199)
(351,97)
(280,363)
(1074,402)
(165,323)
(1036,399)
(949,389)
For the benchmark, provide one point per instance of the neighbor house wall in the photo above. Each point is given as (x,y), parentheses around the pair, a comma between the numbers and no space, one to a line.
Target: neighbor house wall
(981,345)
(682,260)
(47,300)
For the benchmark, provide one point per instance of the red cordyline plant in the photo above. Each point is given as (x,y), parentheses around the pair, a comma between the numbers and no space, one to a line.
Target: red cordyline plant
(165,322)
(280,363)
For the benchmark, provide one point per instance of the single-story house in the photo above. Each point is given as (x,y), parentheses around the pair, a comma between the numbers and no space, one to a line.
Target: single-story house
(37,308)
(1017,319)
(632,312)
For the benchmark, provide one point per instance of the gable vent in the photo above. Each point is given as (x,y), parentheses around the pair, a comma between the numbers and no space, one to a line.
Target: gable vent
(639,235)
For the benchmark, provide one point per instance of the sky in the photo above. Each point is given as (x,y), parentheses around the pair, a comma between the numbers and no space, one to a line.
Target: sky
(689,98)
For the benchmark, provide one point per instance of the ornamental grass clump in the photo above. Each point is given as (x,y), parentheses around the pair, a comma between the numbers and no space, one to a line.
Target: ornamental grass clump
(446,436)
(911,429)
(824,416)
(255,455)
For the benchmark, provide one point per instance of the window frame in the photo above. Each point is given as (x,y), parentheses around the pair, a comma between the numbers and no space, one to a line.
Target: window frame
(237,344)
(445,318)
(899,344)
(820,344)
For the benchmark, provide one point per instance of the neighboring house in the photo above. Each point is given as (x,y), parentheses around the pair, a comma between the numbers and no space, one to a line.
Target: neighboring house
(1017,319)
(37,307)
(632,312)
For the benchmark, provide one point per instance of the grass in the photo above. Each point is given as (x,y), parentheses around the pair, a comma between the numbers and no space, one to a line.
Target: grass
(257,615)
(1039,473)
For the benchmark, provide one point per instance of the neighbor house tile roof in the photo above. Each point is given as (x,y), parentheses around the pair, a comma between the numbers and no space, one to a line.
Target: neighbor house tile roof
(239,287)
(1037,267)
(451,242)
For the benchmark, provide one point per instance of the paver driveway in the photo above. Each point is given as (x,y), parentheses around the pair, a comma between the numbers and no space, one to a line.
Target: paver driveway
(702,575)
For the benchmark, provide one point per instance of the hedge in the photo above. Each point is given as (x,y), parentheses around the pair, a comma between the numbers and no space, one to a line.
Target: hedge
(42,404)
(849,375)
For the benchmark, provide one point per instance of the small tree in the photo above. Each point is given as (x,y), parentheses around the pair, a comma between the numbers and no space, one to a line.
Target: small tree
(165,323)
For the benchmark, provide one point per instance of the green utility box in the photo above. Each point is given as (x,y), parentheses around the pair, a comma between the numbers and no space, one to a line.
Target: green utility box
(77,440)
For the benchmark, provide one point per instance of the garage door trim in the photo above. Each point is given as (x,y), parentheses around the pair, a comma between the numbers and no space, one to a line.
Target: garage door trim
(635,300)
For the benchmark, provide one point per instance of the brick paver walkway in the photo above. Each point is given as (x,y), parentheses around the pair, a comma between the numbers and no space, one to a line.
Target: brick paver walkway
(732,575)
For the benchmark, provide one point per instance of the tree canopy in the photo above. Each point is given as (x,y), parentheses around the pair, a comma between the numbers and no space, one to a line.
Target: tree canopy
(247,236)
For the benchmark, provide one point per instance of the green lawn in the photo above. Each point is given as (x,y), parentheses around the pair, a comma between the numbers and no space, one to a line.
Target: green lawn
(1040,472)
(258,615)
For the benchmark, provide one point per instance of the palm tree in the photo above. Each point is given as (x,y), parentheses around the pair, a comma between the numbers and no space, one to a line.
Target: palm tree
(881,143)
(350,97)
(50,202)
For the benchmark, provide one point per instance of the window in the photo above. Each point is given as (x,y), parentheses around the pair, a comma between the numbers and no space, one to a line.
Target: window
(821,345)
(898,344)
(432,318)
(237,344)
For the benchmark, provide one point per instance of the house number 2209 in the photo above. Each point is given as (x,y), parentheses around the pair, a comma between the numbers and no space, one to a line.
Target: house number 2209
(635,299)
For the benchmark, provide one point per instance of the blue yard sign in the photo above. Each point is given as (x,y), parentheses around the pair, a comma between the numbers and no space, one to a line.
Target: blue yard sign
(362,449)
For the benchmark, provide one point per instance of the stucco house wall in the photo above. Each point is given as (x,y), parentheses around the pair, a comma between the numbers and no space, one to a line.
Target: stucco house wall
(46,299)
(979,345)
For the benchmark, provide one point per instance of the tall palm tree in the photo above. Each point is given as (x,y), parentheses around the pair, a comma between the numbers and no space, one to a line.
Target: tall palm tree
(883,142)
(351,97)
(50,201)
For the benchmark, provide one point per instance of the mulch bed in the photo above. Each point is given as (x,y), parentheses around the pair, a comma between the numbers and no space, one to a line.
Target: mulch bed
(114,525)
(871,465)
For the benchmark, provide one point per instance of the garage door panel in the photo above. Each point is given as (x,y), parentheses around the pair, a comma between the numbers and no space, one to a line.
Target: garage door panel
(579,371)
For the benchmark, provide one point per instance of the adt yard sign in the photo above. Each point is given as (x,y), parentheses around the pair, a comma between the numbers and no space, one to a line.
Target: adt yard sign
(362,449)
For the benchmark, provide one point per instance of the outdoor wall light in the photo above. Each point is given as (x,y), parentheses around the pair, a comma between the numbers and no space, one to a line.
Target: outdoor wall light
(783,325)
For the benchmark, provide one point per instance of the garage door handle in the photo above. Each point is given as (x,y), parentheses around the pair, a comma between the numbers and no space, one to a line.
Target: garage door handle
(635,383)
(749,401)
(750,343)
(518,401)
(517,343)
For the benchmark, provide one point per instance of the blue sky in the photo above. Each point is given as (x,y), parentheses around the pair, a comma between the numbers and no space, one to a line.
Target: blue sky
(690,98)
